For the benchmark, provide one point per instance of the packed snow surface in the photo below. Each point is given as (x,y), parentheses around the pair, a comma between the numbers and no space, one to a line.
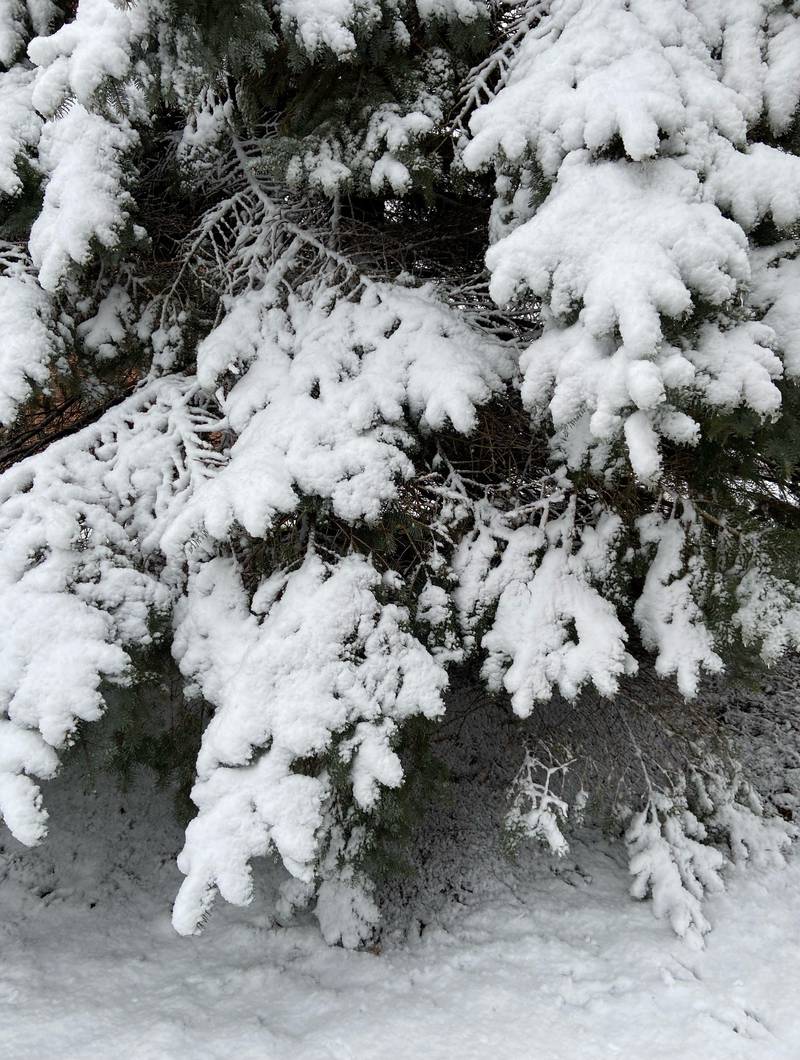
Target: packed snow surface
(535,958)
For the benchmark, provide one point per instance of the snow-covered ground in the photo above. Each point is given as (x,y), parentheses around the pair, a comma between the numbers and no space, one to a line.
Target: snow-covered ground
(536,959)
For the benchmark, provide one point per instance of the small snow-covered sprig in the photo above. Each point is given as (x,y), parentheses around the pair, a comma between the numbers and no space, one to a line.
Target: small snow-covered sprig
(538,809)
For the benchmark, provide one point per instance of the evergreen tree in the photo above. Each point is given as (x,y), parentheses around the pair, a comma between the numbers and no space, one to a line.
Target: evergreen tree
(262,401)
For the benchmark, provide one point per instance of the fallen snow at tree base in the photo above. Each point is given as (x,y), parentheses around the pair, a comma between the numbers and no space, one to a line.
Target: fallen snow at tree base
(543,959)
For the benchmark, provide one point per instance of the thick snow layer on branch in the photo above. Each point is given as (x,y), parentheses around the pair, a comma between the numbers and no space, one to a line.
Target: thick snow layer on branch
(553,628)
(668,613)
(42,14)
(326,659)
(586,386)
(736,367)
(768,613)
(336,24)
(776,293)
(28,341)
(12,30)
(18,20)
(84,54)
(624,244)
(760,182)
(76,525)
(329,23)
(463,10)
(628,245)
(592,391)
(531,649)
(595,70)
(329,393)
(393,128)
(20,125)
(85,159)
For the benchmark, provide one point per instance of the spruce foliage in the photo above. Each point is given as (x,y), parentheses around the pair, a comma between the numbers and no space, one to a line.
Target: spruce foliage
(347,348)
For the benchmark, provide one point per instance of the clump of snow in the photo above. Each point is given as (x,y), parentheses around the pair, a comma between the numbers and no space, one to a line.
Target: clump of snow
(85,53)
(80,149)
(29,339)
(329,23)
(20,125)
(330,393)
(335,24)
(109,326)
(667,614)
(552,627)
